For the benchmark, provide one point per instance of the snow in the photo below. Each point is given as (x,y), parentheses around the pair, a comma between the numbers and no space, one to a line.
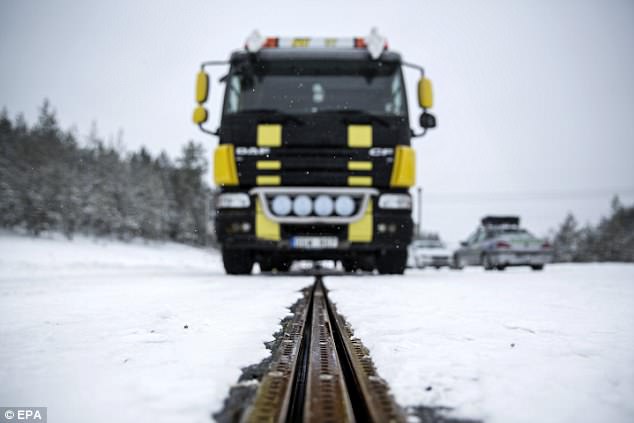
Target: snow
(96,329)
(520,346)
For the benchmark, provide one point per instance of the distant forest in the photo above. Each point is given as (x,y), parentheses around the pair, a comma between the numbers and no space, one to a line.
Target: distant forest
(51,182)
(610,240)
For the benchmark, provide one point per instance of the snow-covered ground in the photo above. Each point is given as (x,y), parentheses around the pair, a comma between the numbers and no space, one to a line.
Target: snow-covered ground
(514,346)
(96,332)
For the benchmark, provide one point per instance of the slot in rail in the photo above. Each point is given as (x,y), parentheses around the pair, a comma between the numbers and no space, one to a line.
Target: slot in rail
(321,373)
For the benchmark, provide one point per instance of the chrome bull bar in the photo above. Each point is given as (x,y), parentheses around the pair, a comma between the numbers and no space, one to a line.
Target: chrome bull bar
(363,193)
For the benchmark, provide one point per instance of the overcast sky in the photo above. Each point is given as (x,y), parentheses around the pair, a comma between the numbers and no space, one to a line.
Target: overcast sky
(534,99)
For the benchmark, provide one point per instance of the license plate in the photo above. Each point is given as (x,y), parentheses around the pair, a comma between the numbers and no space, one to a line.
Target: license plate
(314,242)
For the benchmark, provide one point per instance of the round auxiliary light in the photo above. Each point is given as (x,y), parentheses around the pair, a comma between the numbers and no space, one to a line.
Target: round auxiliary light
(324,205)
(302,205)
(344,205)
(282,205)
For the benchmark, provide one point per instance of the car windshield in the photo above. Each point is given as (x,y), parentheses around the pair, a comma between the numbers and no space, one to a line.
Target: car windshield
(304,87)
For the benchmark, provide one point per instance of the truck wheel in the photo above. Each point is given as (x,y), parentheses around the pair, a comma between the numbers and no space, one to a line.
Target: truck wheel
(266,265)
(282,265)
(350,265)
(366,263)
(237,261)
(501,267)
(367,267)
(391,262)
(537,267)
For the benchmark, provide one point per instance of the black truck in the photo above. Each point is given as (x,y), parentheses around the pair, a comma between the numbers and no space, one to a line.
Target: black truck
(314,159)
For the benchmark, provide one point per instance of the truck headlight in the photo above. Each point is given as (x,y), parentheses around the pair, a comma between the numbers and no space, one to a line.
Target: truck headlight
(344,205)
(282,205)
(395,201)
(302,205)
(233,200)
(324,205)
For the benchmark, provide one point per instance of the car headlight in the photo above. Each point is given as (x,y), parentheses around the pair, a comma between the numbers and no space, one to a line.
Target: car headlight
(395,201)
(233,200)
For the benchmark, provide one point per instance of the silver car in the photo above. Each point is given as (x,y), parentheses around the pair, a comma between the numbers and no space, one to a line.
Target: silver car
(500,242)
(428,252)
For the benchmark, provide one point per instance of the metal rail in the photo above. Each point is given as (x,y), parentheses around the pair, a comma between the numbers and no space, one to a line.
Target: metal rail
(321,373)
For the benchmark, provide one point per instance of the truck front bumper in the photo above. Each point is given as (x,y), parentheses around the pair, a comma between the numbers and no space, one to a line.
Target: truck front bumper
(380,230)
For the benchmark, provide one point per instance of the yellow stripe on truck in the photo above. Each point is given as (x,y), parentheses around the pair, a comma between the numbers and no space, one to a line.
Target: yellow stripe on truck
(269,135)
(356,165)
(360,181)
(268,180)
(268,165)
(360,136)
(362,230)
(404,168)
(225,169)
(265,228)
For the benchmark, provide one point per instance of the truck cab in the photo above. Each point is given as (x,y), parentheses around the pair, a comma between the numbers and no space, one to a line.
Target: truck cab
(314,159)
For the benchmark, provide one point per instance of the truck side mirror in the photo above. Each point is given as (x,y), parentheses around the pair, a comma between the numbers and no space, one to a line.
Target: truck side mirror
(200,115)
(202,92)
(425,93)
(427,120)
(202,87)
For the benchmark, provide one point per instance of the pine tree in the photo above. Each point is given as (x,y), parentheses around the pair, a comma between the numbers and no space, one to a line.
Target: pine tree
(48,182)
(566,240)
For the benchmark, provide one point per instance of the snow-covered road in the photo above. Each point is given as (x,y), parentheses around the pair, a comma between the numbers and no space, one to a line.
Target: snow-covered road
(96,330)
(514,346)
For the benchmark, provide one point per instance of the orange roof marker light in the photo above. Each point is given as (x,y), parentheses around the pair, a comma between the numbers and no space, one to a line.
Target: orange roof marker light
(374,43)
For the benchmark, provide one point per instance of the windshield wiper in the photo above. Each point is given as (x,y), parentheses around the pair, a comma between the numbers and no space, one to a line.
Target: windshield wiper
(273,112)
(356,112)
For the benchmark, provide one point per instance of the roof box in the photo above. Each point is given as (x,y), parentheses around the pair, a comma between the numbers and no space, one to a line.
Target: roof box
(500,220)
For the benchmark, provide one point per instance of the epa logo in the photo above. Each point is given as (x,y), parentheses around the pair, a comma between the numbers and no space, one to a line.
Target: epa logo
(26,414)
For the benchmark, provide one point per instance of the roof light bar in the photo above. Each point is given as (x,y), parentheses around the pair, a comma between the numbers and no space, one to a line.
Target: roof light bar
(271,42)
(374,42)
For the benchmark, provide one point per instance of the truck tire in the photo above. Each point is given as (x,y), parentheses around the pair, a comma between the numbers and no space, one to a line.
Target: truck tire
(265,265)
(537,267)
(364,263)
(282,265)
(367,263)
(391,262)
(237,261)
(349,265)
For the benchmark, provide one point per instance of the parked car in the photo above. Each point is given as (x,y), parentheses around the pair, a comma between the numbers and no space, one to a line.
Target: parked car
(499,242)
(430,252)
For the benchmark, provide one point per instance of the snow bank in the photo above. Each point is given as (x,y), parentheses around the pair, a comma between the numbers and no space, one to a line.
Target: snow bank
(514,346)
(95,330)
(55,253)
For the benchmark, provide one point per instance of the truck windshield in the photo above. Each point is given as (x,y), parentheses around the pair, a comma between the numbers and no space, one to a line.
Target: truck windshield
(296,87)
